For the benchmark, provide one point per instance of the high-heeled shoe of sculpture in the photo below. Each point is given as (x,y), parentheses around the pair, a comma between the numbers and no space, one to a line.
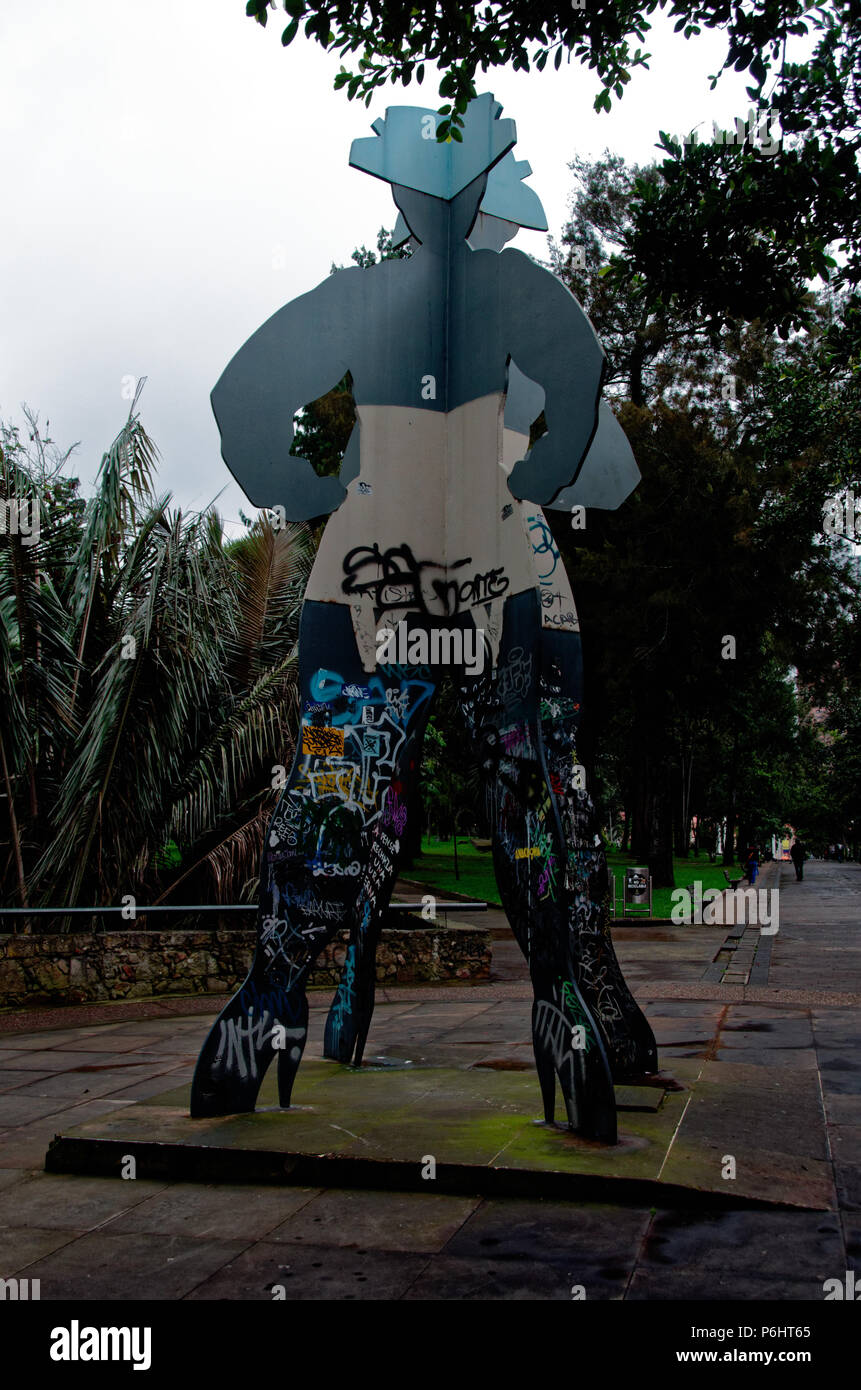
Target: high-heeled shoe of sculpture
(235,1057)
(583,1072)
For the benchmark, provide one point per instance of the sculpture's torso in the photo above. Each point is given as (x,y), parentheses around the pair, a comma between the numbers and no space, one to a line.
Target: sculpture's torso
(430,527)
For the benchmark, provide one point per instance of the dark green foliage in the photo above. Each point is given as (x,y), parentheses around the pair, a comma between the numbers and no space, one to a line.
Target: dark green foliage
(733,232)
(395,38)
(148,684)
(724,535)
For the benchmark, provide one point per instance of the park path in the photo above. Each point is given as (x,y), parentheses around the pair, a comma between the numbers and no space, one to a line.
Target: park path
(774,1080)
(818,947)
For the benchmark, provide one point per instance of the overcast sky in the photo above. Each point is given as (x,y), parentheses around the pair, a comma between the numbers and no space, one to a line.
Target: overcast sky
(172,176)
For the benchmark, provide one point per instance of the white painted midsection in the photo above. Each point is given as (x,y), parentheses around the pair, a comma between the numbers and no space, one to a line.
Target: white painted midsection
(558,610)
(432,515)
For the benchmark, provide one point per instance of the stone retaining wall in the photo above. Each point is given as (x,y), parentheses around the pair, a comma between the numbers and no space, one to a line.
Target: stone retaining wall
(85,967)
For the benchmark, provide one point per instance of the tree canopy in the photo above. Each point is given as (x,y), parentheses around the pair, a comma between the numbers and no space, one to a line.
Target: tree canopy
(740,438)
(393,39)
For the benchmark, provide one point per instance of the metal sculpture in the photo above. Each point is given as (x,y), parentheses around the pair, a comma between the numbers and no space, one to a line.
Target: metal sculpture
(437,553)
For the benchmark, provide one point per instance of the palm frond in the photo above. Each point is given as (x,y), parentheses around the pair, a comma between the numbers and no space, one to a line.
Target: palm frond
(231,863)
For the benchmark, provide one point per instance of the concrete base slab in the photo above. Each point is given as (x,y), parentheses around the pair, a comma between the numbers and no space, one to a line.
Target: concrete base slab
(443,1130)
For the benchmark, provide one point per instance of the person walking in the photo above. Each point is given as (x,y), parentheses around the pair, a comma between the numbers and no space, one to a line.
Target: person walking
(798,854)
(751,864)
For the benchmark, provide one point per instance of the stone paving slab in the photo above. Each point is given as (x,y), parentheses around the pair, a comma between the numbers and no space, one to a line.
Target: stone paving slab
(718,1286)
(310,1273)
(78,1205)
(210,1211)
(739,1254)
(845,1142)
(401,1221)
(849,1186)
(25,1145)
(9,1176)
(447,1279)
(20,1249)
(22,1080)
(71,1086)
(532,1249)
(101,1266)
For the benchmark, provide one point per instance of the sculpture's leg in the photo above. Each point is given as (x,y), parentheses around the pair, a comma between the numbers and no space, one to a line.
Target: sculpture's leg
(349,1018)
(240,1046)
(317,856)
(268,1015)
(290,1055)
(568,1046)
(628,1037)
(397,734)
(502,708)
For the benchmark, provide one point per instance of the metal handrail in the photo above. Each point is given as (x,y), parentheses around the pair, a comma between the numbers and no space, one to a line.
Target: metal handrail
(188,908)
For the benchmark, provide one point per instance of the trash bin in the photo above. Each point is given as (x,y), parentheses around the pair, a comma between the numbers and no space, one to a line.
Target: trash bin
(638,891)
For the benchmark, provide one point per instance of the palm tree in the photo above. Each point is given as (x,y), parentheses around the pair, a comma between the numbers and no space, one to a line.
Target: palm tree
(148,675)
(236,769)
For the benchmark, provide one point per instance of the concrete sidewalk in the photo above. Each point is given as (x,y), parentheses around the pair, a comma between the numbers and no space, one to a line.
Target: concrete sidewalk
(767,1071)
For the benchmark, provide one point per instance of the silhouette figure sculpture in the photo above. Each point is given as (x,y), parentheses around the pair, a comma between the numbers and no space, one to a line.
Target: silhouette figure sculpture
(437,553)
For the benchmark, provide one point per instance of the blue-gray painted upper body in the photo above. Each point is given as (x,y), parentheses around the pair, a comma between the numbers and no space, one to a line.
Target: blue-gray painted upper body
(431,332)
(447,312)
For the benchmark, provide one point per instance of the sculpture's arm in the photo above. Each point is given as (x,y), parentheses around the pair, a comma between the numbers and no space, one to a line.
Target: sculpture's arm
(552,341)
(299,354)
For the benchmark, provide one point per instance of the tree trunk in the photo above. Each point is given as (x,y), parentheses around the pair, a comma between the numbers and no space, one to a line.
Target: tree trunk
(660,843)
(728,851)
(687,765)
(13,825)
(660,854)
(729,839)
(640,809)
(636,362)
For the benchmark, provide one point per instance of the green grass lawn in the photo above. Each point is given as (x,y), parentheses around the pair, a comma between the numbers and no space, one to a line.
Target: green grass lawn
(436,867)
(476,878)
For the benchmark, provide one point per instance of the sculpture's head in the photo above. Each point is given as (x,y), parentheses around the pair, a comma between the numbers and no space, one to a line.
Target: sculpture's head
(440,186)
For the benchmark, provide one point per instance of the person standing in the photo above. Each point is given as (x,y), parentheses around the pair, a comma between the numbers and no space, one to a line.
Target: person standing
(751,864)
(798,854)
